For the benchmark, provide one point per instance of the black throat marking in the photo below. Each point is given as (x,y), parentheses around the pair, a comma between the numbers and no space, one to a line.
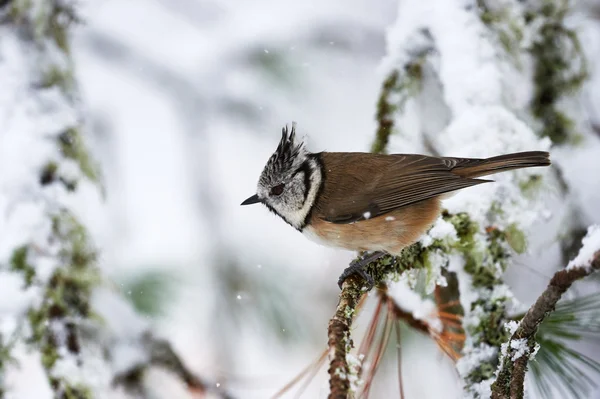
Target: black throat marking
(308,182)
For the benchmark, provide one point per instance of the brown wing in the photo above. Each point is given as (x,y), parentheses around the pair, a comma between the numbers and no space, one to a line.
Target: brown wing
(357,183)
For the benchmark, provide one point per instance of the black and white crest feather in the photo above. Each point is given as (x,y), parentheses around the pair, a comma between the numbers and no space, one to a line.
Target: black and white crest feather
(290,180)
(288,155)
(287,149)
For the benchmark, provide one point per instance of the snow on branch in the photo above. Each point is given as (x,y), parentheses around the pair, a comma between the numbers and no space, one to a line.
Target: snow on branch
(54,305)
(521,347)
(457,81)
(161,354)
(463,71)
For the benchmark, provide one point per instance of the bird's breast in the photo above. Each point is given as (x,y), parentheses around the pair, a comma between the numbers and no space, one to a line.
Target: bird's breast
(390,232)
(322,239)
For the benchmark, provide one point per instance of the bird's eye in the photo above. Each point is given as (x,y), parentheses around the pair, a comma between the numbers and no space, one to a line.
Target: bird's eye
(277,190)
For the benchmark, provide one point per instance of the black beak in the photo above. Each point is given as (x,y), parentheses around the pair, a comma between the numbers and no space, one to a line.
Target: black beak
(252,200)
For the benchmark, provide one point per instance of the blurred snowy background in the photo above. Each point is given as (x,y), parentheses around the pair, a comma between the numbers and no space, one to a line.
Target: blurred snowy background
(186,99)
(184,102)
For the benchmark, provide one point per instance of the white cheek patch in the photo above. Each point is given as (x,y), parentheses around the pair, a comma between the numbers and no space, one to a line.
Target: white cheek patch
(296,217)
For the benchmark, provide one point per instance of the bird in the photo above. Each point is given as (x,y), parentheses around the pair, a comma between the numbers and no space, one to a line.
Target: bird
(376,204)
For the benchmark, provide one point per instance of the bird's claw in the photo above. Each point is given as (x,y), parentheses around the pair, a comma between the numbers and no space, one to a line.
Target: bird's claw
(357,266)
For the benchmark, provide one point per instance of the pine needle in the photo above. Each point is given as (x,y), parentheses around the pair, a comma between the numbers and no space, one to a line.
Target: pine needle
(399,350)
(557,367)
(311,370)
(383,341)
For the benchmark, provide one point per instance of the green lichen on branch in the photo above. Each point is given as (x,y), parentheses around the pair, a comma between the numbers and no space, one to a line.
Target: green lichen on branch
(390,267)
(47,24)
(559,69)
(559,65)
(485,261)
(486,254)
(18,263)
(396,89)
(5,358)
(506,26)
(73,147)
(66,302)
(44,20)
(50,174)
(56,76)
(54,322)
(385,111)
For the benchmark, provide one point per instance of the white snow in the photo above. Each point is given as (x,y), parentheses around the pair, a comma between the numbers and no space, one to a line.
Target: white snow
(29,380)
(354,364)
(518,348)
(88,368)
(590,245)
(483,113)
(411,302)
(480,102)
(511,326)
(441,230)
(31,118)
(127,354)
(437,260)
(119,316)
(474,357)
(481,390)
(151,190)
(14,298)
(14,301)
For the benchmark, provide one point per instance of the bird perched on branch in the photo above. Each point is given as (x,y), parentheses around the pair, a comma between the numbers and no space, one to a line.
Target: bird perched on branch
(369,202)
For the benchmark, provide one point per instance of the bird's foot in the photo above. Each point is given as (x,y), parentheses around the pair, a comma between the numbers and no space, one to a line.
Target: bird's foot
(357,266)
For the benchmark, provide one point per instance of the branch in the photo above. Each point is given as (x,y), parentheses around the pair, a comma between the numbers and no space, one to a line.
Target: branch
(511,378)
(340,341)
(385,111)
(161,354)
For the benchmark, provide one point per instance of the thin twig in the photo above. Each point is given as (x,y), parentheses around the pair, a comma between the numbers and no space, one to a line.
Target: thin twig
(511,378)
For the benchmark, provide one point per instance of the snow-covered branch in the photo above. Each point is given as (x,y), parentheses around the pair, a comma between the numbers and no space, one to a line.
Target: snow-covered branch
(521,347)
(54,304)
(160,354)
(455,84)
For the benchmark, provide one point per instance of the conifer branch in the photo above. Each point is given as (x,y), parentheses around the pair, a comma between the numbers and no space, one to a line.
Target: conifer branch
(511,378)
